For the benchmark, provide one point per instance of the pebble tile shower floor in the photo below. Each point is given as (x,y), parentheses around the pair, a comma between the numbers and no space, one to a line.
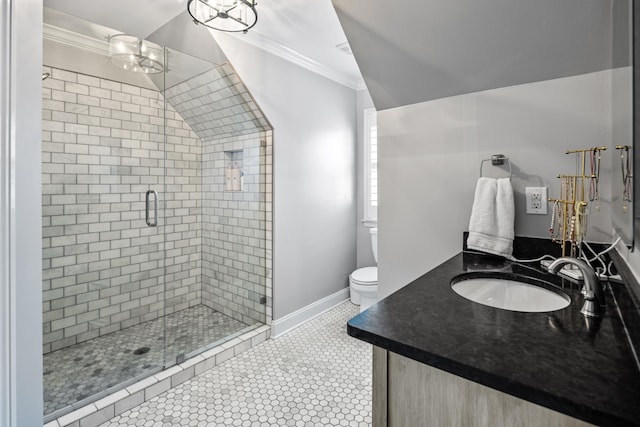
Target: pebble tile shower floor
(315,375)
(84,369)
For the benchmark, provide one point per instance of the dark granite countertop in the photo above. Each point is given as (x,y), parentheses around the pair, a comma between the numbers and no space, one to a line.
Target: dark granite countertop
(552,359)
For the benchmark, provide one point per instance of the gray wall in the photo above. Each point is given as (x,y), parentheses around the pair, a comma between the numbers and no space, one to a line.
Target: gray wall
(429,160)
(459,81)
(314,122)
(20,283)
(365,254)
(429,49)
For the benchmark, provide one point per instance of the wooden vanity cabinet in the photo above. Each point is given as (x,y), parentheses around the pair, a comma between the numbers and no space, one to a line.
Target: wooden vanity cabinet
(407,393)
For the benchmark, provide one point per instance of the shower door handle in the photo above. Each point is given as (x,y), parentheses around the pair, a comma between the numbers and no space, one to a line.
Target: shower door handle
(150,223)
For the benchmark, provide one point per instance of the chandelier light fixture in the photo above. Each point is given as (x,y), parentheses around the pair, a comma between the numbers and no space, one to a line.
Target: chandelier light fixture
(224,15)
(134,54)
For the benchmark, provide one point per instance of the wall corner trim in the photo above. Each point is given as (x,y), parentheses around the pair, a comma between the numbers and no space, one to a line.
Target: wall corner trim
(291,321)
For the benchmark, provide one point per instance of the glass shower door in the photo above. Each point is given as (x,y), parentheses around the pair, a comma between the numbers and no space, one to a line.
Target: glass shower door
(150,255)
(215,275)
(103,165)
(189,324)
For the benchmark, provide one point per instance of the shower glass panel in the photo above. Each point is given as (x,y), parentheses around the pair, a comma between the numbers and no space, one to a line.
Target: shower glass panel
(103,219)
(216,243)
(154,213)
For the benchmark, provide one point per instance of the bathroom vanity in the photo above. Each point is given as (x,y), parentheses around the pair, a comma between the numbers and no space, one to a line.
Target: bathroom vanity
(441,359)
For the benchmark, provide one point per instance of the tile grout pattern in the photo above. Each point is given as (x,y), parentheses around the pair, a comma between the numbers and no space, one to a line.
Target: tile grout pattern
(232,128)
(85,369)
(104,145)
(83,123)
(217,105)
(234,243)
(315,375)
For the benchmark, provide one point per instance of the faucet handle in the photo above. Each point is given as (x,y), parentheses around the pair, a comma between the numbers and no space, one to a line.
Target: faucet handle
(591,307)
(593,295)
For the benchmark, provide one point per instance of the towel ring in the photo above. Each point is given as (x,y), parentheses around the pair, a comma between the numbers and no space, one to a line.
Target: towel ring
(497,160)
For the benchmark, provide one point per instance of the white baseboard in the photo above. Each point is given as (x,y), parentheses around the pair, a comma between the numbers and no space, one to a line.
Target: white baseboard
(298,317)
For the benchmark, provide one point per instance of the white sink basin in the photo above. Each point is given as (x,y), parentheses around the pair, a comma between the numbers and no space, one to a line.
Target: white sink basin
(510,294)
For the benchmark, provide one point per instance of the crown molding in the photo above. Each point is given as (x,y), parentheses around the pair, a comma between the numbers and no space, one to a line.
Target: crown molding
(263,42)
(74,39)
(276,48)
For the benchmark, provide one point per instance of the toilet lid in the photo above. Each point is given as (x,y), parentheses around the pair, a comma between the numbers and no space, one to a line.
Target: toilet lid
(365,275)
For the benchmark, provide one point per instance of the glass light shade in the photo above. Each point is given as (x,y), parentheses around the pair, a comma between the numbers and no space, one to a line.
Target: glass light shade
(134,54)
(224,15)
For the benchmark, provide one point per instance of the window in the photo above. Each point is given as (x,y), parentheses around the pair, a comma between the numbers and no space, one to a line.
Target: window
(371,164)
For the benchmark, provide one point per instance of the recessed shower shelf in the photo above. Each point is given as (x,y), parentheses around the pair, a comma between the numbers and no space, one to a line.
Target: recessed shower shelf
(233,170)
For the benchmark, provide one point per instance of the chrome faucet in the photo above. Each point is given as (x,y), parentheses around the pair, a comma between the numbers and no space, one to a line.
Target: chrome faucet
(593,295)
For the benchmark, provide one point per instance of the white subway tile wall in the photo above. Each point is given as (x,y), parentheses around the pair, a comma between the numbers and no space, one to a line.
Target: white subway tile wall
(234,231)
(103,148)
(217,104)
(223,114)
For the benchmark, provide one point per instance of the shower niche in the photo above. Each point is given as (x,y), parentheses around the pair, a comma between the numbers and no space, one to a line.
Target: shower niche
(123,300)
(233,173)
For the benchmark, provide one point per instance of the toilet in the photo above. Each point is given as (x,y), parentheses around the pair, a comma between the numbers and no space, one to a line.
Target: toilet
(363,283)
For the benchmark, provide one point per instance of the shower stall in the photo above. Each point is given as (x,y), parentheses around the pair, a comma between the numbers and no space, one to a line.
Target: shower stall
(156,201)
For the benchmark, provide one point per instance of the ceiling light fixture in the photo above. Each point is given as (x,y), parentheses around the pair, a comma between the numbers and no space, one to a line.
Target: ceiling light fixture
(134,54)
(233,16)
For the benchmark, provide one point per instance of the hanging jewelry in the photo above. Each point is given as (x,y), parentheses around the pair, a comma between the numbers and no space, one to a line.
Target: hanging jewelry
(629,182)
(573,242)
(580,221)
(594,188)
(625,167)
(555,219)
(572,228)
(572,236)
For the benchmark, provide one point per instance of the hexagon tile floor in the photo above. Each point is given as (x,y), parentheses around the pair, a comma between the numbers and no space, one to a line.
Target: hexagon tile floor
(315,375)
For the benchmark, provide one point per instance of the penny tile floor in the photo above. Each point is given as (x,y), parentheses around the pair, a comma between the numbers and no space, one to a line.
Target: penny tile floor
(82,370)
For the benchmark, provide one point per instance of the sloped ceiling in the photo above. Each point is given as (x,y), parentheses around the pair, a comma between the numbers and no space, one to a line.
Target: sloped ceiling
(420,50)
(305,32)
(216,104)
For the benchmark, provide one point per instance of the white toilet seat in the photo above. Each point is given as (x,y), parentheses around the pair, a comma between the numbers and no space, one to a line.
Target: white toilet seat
(363,285)
(366,276)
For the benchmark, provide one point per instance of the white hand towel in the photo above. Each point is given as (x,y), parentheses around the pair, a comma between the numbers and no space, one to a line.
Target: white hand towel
(492,216)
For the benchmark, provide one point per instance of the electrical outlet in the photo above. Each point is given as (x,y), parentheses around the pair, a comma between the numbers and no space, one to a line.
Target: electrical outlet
(536,198)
